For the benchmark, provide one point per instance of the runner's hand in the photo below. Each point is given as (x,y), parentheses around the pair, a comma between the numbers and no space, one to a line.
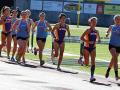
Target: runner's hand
(107,34)
(56,39)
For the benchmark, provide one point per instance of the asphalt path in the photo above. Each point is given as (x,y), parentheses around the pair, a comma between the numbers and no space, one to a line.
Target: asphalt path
(33,77)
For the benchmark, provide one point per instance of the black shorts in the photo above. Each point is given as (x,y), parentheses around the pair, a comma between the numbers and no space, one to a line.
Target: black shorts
(59,42)
(13,35)
(90,49)
(41,39)
(117,48)
(22,38)
(6,33)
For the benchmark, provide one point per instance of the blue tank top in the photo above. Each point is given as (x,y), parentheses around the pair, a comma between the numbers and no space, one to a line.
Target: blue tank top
(13,21)
(8,23)
(61,33)
(115,36)
(92,36)
(22,29)
(41,29)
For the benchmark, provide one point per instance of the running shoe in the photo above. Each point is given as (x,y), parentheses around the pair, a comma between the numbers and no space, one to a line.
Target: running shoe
(107,74)
(80,61)
(42,62)
(0,53)
(12,59)
(117,78)
(92,79)
(17,61)
(23,62)
(35,51)
(58,69)
(8,57)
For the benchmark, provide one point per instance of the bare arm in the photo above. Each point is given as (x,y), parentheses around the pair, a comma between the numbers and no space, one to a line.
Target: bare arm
(83,36)
(55,32)
(2,20)
(32,23)
(68,30)
(28,27)
(98,37)
(33,28)
(14,26)
(49,26)
(108,31)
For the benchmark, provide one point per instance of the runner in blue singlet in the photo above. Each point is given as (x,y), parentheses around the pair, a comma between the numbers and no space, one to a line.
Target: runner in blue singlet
(114,46)
(23,28)
(42,31)
(14,32)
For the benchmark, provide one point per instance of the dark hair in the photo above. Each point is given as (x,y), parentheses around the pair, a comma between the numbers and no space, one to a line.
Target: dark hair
(4,8)
(13,11)
(61,15)
(42,14)
(91,18)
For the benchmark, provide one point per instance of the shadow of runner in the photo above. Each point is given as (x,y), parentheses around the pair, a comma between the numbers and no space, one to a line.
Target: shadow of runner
(118,84)
(57,88)
(10,74)
(9,62)
(67,71)
(29,65)
(64,71)
(15,63)
(99,83)
(48,67)
(33,81)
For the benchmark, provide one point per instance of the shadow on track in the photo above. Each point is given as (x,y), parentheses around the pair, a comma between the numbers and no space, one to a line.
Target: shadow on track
(99,83)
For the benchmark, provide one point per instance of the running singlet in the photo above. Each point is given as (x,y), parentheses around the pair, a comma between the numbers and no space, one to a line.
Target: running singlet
(7,25)
(13,21)
(61,34)
(115,36)
(22,32)
(91,37)
(41,29)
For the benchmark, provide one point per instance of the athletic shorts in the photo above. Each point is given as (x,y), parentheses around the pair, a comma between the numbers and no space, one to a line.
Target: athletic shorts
(117,48)
(6,33)
(90,49)
(14,35)
(22,38)
(41,39)
(59,42)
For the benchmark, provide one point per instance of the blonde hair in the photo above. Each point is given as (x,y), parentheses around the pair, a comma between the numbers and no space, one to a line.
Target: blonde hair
(4,8)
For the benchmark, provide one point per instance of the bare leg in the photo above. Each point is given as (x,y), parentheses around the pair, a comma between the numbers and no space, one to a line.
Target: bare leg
(60,55)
